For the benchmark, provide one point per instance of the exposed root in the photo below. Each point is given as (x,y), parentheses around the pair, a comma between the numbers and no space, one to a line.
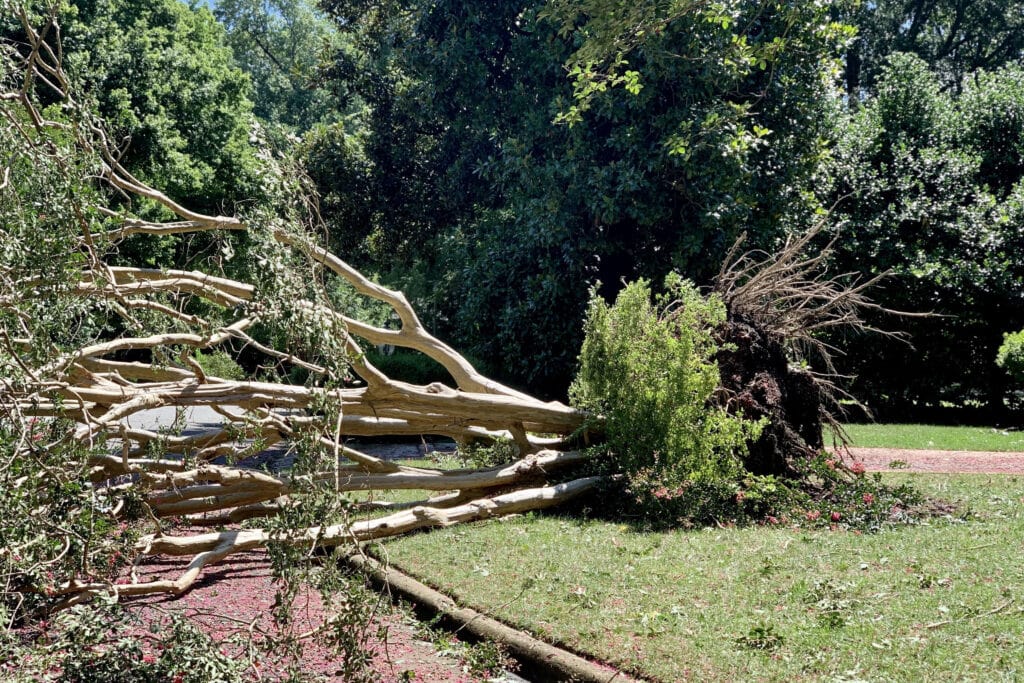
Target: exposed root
(781,308)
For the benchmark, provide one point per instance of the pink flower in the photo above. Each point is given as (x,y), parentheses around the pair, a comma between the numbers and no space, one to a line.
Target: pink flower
(660,492)
(148,658)
(836,516)
(857,468)
(773,520)
(868,499)
(813,515)
(831,464)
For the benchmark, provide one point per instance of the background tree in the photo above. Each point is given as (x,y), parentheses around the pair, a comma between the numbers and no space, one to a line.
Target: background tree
(956,38)
(281,45)
(163,77)
(928,184)
(469,178)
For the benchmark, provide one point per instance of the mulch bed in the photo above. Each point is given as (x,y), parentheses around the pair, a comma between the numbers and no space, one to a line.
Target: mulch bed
(231,595)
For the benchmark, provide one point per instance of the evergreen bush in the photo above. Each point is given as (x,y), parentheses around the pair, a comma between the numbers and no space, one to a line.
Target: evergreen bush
(647,365)
(1011,355)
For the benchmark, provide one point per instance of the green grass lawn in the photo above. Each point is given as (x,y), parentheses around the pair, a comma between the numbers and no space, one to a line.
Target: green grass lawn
(934,437)
(940,601)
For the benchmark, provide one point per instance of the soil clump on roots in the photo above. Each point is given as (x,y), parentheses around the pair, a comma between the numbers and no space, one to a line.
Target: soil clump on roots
(758,380)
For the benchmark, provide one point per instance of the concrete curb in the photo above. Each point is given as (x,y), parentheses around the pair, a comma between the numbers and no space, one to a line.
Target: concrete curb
(539,660)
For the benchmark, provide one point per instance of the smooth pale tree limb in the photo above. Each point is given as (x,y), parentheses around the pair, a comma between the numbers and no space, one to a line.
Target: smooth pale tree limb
(206,548)
(157,346)
(226,487)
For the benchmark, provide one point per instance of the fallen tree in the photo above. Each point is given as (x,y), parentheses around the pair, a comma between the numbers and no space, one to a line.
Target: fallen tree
(697,395)
(89,342)
(695,401)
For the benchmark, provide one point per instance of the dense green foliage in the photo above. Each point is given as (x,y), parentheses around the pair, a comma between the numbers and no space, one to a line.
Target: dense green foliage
(496,218)
(930,185)
(177,111)
(1011,355)
(496,159)
(648,367)
(508,155)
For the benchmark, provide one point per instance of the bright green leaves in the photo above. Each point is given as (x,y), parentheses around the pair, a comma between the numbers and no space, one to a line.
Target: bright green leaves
(1011,355)
(588,82)
(45,205)
(648,367)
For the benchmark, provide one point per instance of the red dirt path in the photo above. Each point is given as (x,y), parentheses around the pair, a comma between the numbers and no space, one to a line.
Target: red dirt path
(240,591)
(966,462)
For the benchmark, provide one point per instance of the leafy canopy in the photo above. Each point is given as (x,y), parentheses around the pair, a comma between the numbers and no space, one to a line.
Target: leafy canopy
(929,184)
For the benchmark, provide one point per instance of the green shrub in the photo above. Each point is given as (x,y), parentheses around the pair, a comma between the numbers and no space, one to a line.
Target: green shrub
(220,364)
(409,366)
(1011,355)
(648,367)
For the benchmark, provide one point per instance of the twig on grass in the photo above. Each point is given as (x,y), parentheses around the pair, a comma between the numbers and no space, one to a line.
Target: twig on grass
(995,610)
